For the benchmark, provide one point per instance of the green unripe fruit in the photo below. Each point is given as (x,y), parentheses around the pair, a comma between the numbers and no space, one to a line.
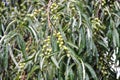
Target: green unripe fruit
(105,72)
(68,55)
(58,33)
(57,41)
(101,58)
(45,52)
(61,43)
(49,50)
(54,34)
(44,46)
(42,49)
(65,48)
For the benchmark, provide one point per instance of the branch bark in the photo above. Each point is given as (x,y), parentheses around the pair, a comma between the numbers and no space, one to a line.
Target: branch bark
(48,13)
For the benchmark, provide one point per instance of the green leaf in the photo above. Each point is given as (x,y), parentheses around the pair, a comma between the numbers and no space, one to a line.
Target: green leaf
(6,57)
(103,44)
(91,70)
(12,55)
(9,25)
(34,68)
(72,45)
(55,62)
(115,37)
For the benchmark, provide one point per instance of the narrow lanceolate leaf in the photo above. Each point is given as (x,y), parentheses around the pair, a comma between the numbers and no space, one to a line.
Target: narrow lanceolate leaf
(2,39)
(72,45)
(83,68)
(55,61)
(9,25)
(87,77)
(10,36)
(12,56)
(32,71)
(21,45)
(67,69)
(115,37)
(34,33)
(41,63)
(6,57)
(91,70)
(79,63)
(103,44)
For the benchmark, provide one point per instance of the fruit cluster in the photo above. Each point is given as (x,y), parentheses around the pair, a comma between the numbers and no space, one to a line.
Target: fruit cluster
(109,3)
(96,20)
(35,12)
(103,66)
(105,12)
(54,7)
(21,65)
(96,23)
(3,9)
(103,3)
(60,40)
(47,46)
(72,7)
(61,43)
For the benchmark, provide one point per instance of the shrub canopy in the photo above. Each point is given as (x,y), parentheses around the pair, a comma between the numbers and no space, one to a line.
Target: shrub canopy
(59,39)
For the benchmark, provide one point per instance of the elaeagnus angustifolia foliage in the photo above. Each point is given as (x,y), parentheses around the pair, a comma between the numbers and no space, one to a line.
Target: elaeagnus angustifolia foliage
(59,39)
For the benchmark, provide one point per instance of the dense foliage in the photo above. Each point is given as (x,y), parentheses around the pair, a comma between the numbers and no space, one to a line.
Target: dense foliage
(59,39)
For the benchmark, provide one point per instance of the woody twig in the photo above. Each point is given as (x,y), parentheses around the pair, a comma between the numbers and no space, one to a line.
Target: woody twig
(48,12)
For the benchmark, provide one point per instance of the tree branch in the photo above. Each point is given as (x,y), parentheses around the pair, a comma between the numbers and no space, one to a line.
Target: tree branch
(48,12)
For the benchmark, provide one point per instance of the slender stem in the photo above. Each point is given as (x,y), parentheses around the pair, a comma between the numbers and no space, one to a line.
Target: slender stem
(48,12)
